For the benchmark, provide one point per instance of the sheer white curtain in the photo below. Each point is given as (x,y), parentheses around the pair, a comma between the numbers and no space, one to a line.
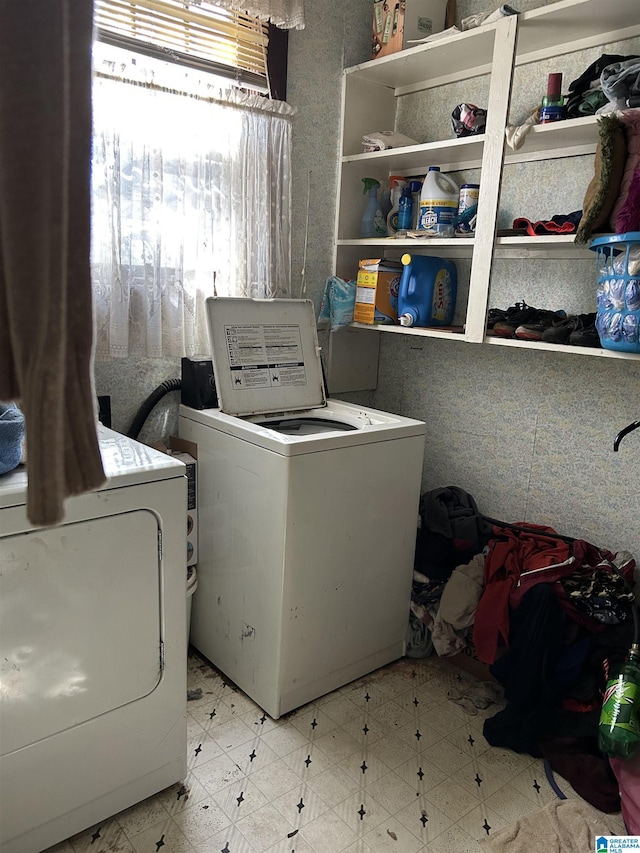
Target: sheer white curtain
(286,14)
(191,198)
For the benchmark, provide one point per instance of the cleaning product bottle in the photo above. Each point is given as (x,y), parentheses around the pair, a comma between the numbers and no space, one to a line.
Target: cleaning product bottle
(397,185)
(438,204)
(619,728)
(553,108)
(373,224)
(427,291)
(405,211)
(416,188)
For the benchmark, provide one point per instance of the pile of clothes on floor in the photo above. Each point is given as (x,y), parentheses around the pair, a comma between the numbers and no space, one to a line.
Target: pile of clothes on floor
(548,615)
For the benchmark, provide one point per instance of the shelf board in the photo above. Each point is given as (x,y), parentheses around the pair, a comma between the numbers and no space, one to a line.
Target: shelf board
(572,25)
(452,248)
(551,247)
(572,137)
(446,332)
(564,348)
(456,333)
(450,154)
(428,65)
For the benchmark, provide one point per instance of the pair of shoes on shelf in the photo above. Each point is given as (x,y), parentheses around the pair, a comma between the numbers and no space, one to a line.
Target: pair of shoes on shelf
(578,330)
(527,323)
(504,323)
(500,315)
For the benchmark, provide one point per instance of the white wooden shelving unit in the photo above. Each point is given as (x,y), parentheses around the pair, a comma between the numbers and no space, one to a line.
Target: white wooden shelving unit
(371,89)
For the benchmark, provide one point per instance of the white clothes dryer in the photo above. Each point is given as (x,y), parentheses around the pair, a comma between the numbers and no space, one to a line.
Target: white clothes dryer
(92,656)
(308,512)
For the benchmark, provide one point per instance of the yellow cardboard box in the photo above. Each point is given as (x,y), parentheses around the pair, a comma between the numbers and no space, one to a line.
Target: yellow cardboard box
(377,291)
(396,22)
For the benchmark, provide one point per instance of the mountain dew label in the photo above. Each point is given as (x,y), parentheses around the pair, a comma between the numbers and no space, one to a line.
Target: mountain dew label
(618,706)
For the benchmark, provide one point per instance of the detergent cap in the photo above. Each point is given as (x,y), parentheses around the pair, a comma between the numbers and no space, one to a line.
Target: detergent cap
(407,319)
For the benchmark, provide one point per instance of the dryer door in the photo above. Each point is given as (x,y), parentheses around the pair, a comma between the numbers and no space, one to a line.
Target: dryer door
(80,629)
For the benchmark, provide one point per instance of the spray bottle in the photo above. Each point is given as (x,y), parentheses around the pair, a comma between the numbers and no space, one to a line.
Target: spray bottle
(373,224)
(397,185)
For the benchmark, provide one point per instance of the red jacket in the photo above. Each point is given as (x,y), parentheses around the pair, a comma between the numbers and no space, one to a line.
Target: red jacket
(516,560)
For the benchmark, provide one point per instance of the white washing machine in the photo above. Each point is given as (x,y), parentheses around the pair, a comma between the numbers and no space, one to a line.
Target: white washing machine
(308,510)
(92,656)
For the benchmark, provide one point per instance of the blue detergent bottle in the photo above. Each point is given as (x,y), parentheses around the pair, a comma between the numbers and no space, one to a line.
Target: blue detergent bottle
(427,292)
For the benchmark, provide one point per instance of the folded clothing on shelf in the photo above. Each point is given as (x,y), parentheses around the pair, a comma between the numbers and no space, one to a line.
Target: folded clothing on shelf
(558,224)
(380,140)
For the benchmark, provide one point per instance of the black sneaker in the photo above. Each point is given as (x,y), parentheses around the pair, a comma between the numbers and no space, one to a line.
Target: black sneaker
(534,329)
(559,333)
(515,316)
(587,335)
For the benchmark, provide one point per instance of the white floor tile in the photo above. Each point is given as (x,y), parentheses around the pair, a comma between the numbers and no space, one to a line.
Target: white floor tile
(265,827)
(424,820)
(362,812)
(329,833)
(452,799)
(393,792)
(284,739)
(334,785)
(338,745)
(228,840)
(218,773)
(301,805)
(233,733)
(252,756)
(276,779)
(200,821)
(182,794)
(454,840)
(391,837)
(240,798)
(392,750)
(141,817)
(102,838)
(165,836)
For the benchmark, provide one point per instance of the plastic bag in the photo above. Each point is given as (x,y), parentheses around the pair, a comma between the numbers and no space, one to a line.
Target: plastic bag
(338,303)
(12,432)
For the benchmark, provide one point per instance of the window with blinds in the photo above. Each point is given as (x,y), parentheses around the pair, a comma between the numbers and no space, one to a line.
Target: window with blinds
(196,34)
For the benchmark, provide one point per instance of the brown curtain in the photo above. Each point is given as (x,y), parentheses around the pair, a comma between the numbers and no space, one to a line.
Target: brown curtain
(46,326)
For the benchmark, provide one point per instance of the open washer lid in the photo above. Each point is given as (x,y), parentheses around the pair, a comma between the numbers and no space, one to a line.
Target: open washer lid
(265,355)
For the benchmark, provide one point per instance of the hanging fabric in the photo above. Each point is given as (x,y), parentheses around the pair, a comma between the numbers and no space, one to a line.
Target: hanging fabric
(191,198)
(45,284)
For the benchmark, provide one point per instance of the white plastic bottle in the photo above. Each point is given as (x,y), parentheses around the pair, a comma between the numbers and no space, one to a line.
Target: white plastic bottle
(397,185)
(438,204)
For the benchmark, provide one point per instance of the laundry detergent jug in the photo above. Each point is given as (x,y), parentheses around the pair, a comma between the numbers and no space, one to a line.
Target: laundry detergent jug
(427,292)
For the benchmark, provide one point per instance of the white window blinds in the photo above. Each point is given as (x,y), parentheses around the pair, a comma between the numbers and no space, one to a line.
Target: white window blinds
(200,35)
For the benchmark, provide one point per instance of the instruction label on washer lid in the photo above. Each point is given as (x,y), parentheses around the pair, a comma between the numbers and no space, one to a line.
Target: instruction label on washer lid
(265,356)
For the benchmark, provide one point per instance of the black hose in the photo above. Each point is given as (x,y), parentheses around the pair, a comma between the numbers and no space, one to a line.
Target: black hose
(148,405)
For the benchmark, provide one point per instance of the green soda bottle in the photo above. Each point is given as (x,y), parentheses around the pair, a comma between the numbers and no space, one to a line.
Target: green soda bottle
(619,728)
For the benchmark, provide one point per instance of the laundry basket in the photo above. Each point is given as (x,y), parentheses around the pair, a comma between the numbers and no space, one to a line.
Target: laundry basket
(618,295)
(192,585)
